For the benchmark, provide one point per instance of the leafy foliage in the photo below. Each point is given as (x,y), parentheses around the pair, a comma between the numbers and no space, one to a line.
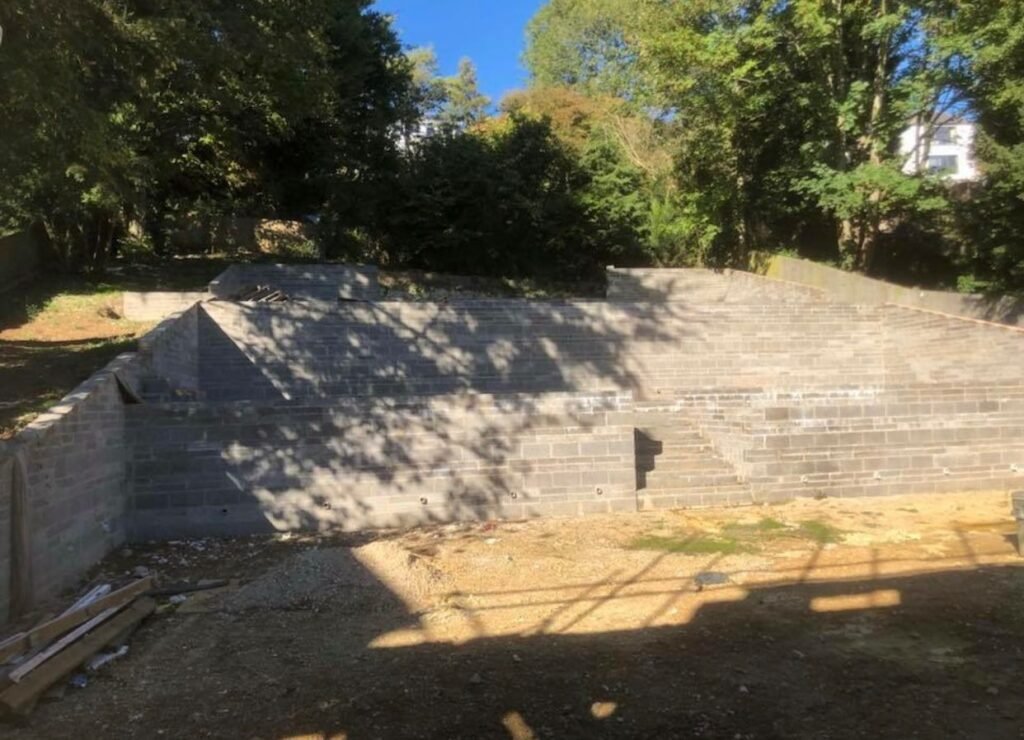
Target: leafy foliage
(510,200)
(149,113)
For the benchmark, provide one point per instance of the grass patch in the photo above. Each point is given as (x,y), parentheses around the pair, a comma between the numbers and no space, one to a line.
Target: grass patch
(766,526)
(690,545)
(819,531)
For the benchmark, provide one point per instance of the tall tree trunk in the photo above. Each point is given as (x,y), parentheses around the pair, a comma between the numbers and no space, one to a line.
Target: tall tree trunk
(876,144)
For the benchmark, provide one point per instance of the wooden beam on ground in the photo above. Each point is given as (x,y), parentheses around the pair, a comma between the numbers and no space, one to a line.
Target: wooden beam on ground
(90,597)
(38,659)
(48,631)
(14,645)
(21,696)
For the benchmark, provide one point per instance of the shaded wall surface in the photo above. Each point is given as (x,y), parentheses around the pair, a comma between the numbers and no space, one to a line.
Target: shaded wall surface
(76,487)
(705,286)
(77,462)
(202,469)
(289,351)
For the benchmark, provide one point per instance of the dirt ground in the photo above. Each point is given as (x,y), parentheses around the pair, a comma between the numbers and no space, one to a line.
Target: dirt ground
(899,617)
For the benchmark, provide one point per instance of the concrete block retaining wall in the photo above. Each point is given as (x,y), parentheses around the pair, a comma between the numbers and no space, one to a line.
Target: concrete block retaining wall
(940,348)
(861,442)
(700,286)
(321,282)
(215,469)
(298,351)
(75,457)
(170,352)
(849,287)
(315,413)
(156,305)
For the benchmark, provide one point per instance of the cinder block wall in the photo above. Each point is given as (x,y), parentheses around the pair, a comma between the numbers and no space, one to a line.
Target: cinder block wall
(849,287)
(303,351)
(320,282)
(157,305)
(216,469)
(701,286)
(941,348)
(925,438)
(75,458)
(170,352)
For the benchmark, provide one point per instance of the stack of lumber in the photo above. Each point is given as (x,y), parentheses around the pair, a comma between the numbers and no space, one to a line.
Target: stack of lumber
(33,661)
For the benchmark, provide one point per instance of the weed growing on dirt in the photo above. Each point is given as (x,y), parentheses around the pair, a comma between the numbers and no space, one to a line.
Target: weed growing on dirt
(819,531)
(766,527)
(690,545)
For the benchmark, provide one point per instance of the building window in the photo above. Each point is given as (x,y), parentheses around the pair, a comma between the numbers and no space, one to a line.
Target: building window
(944,135)
(943,165)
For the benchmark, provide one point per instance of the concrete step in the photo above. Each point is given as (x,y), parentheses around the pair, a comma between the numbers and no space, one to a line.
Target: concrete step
(663,481)
(708,465)
(737,495)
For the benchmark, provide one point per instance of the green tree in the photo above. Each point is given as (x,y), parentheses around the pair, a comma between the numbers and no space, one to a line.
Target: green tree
(991,221)
(792,110)
(464,104)
(506,199)
(588,45)
(163,113)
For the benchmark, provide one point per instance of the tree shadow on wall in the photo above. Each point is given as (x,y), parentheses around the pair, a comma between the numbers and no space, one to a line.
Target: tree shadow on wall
(350,415)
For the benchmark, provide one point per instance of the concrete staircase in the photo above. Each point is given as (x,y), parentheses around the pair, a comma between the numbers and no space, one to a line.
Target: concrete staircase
(676,465)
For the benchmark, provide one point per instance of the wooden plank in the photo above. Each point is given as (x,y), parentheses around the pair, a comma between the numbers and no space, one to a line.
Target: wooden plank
(39,658)
(22,695)
(14,645)
(90,597)
(47,631)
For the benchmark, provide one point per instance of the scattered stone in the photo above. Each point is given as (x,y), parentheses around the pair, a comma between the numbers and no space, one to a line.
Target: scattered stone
(141,571)
(476,679)
(710,578)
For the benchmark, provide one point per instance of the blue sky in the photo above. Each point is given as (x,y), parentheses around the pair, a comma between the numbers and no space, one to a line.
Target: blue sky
(490,32)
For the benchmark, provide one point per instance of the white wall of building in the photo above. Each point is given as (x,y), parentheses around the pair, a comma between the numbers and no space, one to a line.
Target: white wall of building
(950,153)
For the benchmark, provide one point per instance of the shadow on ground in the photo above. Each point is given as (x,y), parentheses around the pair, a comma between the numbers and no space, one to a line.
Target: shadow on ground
(919,655)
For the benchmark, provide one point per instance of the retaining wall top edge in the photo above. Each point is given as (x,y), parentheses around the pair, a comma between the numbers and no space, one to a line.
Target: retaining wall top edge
(957,317)
(495,400)
(45,422)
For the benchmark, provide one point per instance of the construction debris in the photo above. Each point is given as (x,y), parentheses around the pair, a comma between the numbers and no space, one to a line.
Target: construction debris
(40,657)
(260,294)
(20,697)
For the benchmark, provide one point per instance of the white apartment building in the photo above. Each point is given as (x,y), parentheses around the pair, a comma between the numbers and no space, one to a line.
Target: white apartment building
(950,153)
